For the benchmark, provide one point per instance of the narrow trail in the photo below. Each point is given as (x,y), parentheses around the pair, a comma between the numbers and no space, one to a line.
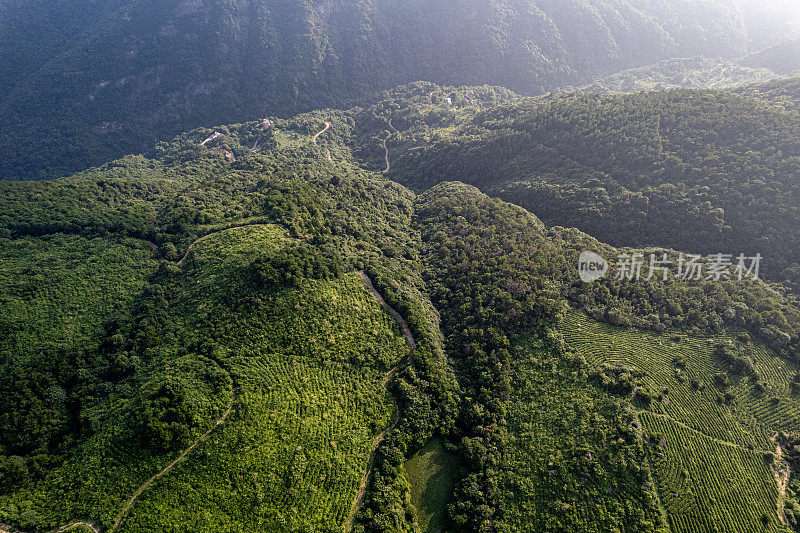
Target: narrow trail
(782,477)
(79,523)
(386,148)
(412,347)
(4,528)
(386,154)
(398,318)
(169,467)
(314,138)
(204,237)
(701,433)
(214,136)
(157,250)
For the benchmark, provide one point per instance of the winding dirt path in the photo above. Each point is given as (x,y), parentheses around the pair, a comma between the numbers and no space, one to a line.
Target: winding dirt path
(386,148)
(412,347)
(314,138)
(157,250)
(206,236)
(782,477)
(386,154)
(78,524)
(169,467)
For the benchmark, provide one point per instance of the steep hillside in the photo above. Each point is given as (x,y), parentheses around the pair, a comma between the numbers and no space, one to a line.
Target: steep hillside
(783,58)
(113,80)
(784,93)
(232,344)
(573,425)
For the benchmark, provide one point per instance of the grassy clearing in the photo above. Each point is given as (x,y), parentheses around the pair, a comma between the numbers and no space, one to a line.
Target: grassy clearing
(432,474)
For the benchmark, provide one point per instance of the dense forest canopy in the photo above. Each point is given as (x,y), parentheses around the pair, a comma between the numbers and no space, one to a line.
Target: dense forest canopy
(700,171)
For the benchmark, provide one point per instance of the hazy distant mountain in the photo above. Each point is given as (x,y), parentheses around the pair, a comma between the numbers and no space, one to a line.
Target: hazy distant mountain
(685,73)
(91,81)
(783,58)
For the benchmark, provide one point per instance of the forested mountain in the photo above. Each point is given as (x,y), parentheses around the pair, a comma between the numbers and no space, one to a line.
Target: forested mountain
(320,295)
(785,94)
(324,349)
(695,170)
(92,81)
(33,33)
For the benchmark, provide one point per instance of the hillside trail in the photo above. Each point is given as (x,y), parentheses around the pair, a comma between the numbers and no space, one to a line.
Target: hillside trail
(204,237)
(387,377)
(386,154)
(78,523)
(140,490)
(169,467)
(157,250)
(781,478)
(314,138)
(386,148)
(393,128)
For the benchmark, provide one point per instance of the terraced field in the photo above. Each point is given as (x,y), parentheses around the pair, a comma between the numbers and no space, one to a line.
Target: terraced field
(308,363)
(571,461)
(707,485)
(709,444)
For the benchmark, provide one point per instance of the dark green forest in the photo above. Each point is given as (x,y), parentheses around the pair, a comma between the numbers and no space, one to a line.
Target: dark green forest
(700,171)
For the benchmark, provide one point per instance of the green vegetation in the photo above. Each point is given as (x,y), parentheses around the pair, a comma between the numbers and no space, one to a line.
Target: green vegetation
(199,318)
(699,171)
(781,57)
(432,473)
(784,94)
(708,440)
(573,460)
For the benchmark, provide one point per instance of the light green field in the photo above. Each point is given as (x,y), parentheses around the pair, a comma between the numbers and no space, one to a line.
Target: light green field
(432,474)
